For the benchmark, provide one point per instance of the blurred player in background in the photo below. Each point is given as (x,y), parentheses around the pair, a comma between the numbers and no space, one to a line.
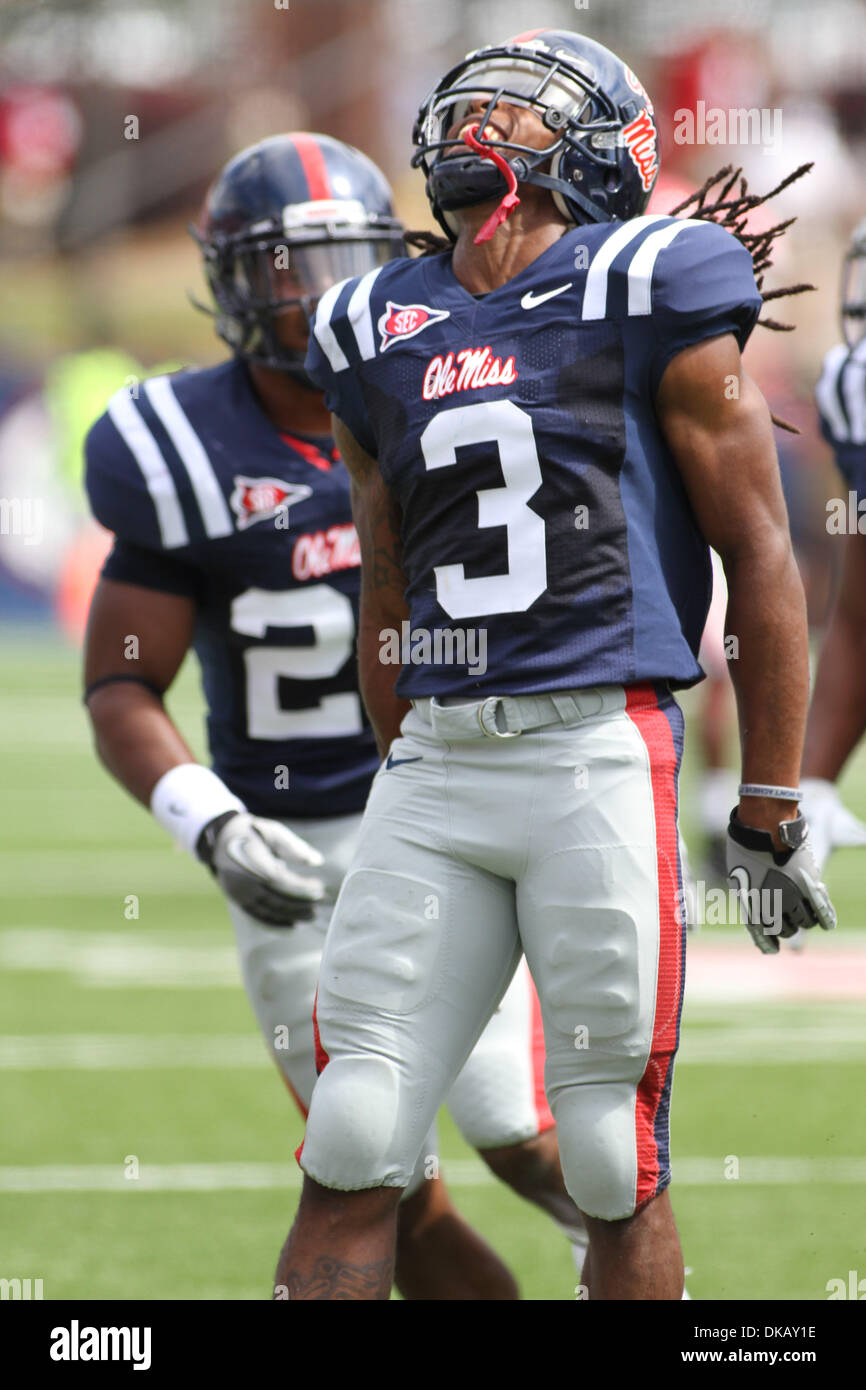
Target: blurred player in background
(541,443)
(837,717)
(234,535)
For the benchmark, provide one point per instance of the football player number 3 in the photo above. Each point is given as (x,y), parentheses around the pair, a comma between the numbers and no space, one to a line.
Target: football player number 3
(330,616)
(502,423)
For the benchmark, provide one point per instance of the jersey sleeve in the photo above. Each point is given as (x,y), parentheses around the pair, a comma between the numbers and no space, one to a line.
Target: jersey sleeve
(131,493)
(841,400)
(702,285)
(334,356)
(128,485)
(128,563)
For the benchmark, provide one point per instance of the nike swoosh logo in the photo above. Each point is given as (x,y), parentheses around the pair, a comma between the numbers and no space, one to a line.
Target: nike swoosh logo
(530,300)
(398,762)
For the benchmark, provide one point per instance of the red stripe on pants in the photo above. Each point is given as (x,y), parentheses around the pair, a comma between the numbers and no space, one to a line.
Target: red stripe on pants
(322,1060)
(542,1109)
(653,727)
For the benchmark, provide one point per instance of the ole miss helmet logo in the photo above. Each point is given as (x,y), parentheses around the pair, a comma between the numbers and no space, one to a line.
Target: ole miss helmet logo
(259,499)
(641,139)
(405,320)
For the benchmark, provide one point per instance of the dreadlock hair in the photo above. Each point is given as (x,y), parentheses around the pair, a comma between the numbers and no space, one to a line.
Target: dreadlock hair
(428,243)
(733,214)
(730,210)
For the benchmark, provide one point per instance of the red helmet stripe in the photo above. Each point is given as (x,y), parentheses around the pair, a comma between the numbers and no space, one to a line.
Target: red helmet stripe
(522,38)
(314,166)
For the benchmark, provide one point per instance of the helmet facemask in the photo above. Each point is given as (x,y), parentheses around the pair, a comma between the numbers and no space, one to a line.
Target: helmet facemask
(258,277)
(569,102)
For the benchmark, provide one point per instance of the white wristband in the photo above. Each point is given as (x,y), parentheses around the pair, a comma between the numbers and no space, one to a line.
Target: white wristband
(186,797)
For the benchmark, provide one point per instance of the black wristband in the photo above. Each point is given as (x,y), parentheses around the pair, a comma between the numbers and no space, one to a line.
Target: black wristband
(751,838)
(113,680)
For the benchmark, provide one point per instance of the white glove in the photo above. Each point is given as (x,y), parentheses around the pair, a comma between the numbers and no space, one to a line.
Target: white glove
(780,890)
(831,825)
(262,867)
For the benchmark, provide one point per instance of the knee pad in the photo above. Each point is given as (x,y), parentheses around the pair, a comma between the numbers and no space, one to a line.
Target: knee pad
(355,1137)
(596,1128)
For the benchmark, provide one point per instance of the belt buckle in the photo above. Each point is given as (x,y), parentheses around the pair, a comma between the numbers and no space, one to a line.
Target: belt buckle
(494,732)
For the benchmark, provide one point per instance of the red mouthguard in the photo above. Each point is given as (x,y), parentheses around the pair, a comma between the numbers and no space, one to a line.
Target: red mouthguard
(510,200)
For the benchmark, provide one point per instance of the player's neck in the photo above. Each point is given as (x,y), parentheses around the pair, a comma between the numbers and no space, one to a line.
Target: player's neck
(531,228)
(287,404)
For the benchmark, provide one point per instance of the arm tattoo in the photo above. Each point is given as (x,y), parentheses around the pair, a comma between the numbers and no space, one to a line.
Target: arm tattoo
(332,1280)
(377,517)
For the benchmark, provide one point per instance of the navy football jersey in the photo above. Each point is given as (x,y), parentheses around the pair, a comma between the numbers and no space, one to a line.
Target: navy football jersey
(207,499)
(543,516)
(841,399)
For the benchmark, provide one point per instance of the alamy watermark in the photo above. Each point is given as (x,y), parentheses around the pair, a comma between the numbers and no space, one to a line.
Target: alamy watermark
(738,125)
(21,1289)
(716,907)
(444,646)
(22,516)
(846,516)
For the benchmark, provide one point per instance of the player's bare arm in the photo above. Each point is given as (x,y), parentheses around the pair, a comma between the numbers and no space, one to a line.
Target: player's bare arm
(725,452)
(837,718)
(383,584)
(135,736)
(140,745)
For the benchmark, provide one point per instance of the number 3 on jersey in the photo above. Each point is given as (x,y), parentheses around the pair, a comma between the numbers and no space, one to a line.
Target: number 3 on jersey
(502,423)
(329,614)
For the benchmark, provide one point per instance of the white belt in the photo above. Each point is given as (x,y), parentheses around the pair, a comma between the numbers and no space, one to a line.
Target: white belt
(506,716)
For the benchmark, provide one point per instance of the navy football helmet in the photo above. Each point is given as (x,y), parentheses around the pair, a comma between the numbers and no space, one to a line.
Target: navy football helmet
(286,219)
(854,287)
(602,161)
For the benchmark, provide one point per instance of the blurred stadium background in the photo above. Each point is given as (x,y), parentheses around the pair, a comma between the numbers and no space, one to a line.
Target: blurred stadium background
(148,1143)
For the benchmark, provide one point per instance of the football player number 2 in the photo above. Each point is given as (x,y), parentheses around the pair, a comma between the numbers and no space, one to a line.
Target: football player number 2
(330,616)
(502,423)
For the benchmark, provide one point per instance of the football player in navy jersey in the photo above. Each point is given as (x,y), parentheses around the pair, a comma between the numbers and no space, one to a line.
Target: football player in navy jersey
(234,535)
(543,439)
(837,717)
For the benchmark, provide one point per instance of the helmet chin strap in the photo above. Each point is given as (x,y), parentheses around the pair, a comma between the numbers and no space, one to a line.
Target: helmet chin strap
(510,200)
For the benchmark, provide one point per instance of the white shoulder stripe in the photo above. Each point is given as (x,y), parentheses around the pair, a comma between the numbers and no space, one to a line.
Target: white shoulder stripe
(324,333)
(360,317)
(827,392)
(205,485)
(854,392)
(154,469)
(640,271)
(595,290)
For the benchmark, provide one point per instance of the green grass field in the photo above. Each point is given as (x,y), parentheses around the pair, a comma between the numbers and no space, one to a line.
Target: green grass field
(127,1047)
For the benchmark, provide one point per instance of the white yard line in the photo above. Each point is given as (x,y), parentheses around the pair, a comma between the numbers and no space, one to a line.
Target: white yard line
(467,1172)
(130,1051)
(768,1045)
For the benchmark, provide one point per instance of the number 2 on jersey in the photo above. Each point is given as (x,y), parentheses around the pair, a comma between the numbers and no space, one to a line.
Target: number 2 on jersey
(329,613)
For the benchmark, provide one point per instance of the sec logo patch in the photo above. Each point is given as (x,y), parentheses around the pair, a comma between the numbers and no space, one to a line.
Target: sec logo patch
(401,321)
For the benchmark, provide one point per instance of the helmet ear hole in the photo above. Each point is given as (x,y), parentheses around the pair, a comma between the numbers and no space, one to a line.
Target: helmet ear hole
(553,118)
